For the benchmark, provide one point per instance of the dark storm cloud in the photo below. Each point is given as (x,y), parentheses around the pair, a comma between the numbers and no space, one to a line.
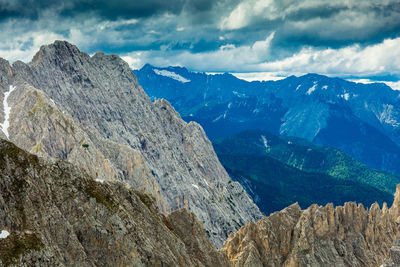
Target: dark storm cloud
(107,9)
(240,35)
(317,23)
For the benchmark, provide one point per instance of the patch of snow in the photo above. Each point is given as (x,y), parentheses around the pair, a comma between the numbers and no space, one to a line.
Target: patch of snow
(7,109)
(4,234)
(387,116)
(298,87)
(345,96)
(171,75)
(312,89)
(325,87)
(265,141)
(195,186)
(100,180)
(218,118)
(206,182)
(240,95)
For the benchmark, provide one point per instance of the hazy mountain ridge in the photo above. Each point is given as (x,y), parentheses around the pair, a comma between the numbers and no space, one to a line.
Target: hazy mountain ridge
(360,119)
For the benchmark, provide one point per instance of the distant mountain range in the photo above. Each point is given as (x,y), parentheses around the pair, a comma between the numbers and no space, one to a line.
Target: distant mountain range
(362,120)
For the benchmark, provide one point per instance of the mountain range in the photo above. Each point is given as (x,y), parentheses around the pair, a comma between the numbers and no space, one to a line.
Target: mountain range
(362,120)
(94,173)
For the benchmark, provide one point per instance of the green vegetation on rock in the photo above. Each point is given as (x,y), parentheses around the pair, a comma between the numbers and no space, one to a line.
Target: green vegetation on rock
(15,245)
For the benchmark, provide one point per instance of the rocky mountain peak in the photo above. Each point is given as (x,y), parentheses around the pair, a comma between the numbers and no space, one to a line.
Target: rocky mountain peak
(57,49)
(395,208)
(92,112)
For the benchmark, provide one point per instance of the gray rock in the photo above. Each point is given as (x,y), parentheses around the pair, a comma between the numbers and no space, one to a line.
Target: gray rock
(98,102)
(57,215)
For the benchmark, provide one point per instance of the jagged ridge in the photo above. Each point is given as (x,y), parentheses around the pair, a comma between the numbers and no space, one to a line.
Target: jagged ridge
(348,235)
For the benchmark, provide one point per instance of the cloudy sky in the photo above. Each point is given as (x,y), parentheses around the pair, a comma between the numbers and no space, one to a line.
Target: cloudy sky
(347,38)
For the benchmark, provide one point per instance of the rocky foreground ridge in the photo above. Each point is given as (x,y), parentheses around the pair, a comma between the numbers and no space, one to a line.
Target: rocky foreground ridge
(348,235)
(57,215)
(90,111)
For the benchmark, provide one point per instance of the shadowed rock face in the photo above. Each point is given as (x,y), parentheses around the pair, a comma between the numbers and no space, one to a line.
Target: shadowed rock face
(348,235)
(92,112)
(57,215)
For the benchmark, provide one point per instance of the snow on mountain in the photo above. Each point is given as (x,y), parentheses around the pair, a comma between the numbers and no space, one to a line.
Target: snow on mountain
(312,89)
(171,75)
(265,142)
(4,234)
(7,110)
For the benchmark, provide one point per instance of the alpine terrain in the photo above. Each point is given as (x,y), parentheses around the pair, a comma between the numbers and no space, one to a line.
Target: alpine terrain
(91,111)
(362,120)
(93,173)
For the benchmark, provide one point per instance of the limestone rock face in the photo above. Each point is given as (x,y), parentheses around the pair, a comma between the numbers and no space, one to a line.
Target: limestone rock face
(57,215)
(193,235)
(92,112)
(348,235)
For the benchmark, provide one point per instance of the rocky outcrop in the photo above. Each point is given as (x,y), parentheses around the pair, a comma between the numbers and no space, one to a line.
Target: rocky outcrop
(394,260)
(57,215)
(92,112)
(348,235)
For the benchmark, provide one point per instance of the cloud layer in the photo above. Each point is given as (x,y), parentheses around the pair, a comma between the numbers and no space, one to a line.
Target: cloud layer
(354,38)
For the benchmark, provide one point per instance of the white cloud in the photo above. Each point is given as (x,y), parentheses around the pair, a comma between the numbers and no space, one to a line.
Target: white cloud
(114,24)
(347,61)
(353,14)
(243,14)
(228,57)
(26,45)
(393,85)
(134,60)
(259,76)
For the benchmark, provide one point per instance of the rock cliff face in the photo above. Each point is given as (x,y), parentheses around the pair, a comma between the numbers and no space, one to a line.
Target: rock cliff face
(348,235)
(92,112)
(57,215)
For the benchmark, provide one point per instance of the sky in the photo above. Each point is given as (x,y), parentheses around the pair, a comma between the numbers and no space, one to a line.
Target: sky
(258,39)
